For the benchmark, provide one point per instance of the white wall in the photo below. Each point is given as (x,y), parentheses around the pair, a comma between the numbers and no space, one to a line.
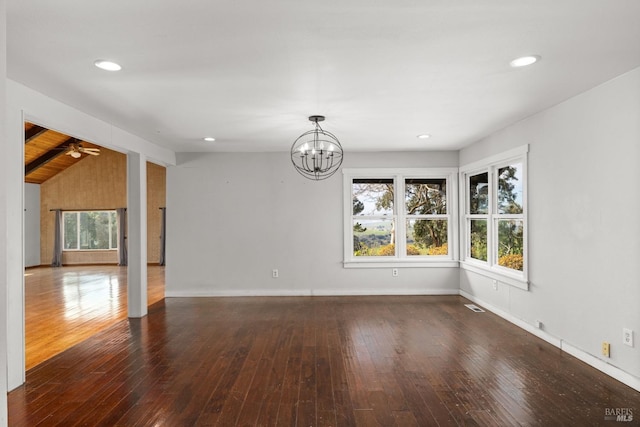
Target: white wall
(3,216)
(233,217)
(31,225)
(584,228)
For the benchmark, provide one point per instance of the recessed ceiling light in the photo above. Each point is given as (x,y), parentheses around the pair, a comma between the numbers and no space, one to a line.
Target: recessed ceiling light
(107,65)
(209,138)
(523,61)
(424,136)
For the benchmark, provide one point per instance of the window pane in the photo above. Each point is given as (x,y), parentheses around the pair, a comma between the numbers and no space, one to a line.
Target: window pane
(510,243)
(479,239)
(70,230)
(374,237)
(84,234)
(373,197)
(114,230)
(510,189)
(479,194)
(426,196)
(101,221)
(427,237)
(94,230)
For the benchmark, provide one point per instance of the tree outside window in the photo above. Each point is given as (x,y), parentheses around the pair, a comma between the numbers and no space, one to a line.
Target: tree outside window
(509,217)
(374,228)
(427,222)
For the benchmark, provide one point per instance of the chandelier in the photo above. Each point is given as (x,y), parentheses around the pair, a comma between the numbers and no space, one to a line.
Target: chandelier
(316,154)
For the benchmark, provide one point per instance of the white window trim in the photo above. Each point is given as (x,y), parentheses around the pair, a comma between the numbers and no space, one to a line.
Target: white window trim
(399,175)
(490,268)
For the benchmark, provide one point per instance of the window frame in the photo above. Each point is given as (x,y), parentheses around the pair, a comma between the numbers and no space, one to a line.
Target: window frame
(401,259)
(78,228)
(491,268)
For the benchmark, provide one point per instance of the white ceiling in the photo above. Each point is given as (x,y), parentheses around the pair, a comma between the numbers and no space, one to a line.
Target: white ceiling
(251,72)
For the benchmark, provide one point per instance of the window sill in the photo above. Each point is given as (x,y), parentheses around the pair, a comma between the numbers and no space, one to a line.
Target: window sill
(396,263)
(512,280)
(89,250)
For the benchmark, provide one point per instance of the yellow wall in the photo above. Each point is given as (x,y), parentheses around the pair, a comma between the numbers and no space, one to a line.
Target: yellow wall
(98,182)
(156,198)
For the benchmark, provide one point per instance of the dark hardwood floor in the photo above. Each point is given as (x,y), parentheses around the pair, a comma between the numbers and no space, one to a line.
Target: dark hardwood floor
(315,361)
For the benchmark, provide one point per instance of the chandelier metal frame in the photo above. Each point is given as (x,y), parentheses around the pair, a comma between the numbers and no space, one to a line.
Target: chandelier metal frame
(317,154)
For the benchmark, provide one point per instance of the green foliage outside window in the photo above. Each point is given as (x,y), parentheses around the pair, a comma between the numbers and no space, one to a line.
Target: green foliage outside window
(479,239)
(510,244)
(90,230)
(510,231)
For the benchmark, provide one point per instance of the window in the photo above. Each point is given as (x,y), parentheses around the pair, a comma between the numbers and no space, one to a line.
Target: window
(426,216)
(90,230)
(399,216)
(494,193)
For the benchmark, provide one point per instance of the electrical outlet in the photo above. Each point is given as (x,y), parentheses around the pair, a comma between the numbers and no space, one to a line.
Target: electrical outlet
(606,349)
(394,272)
(495,285)
(274,273)
(627,337)
(538,324)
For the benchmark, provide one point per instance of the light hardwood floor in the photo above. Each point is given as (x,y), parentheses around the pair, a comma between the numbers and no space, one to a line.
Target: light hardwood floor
(67,305)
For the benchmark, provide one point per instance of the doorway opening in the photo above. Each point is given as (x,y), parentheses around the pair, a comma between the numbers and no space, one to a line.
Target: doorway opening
(87,293)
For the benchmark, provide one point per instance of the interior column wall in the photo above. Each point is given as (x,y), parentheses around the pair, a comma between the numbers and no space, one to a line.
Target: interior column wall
(136,235)
(4,188)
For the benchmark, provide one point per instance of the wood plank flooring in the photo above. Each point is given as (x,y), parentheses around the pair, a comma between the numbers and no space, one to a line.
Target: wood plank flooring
(66,305)
(315,361)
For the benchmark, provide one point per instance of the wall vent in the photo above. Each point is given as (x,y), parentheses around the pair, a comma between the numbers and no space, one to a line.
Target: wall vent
(474,307)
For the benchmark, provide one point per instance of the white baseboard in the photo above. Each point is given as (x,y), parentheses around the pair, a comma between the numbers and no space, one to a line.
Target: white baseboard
(512,319)
(236,293)
(602,366)
(377,292)
(306,292)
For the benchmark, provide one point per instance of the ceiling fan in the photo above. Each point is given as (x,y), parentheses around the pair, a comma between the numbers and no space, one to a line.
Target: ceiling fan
(75,150)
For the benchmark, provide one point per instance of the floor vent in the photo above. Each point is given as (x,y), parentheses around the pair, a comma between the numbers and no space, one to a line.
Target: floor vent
(474,307)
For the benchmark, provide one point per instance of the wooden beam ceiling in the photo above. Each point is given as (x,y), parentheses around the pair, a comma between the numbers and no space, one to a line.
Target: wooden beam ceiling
(48,156)
(34,132)
(44,151)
